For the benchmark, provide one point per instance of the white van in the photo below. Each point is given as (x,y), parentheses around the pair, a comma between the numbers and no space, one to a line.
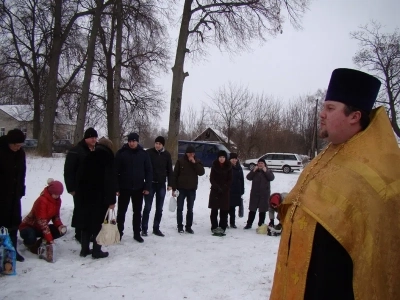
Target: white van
(287,162)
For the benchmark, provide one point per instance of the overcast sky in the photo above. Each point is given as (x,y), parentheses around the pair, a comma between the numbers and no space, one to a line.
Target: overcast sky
(297,62)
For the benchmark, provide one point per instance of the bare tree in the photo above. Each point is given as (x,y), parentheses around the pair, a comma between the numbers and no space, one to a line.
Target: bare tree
(227,24)
(84,99)
(380,54)
(226,104)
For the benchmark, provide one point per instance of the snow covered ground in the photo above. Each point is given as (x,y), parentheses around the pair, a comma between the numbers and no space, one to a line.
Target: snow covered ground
(178,266)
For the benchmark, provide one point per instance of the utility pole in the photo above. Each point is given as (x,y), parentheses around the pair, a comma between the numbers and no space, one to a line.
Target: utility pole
(314,143)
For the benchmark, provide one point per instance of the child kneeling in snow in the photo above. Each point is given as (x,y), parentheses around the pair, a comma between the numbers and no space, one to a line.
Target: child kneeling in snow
(275,201)
(36,224)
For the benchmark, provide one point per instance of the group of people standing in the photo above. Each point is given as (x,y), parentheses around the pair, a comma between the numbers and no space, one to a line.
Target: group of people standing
(96,178)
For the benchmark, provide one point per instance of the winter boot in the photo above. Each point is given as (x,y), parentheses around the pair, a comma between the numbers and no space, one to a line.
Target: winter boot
(144,233)
(35,246)
(250,220)
(271,223)
(85,241)
(97,253)
(180,229)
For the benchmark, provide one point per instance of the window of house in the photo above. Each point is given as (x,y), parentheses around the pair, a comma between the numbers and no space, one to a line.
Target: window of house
(2,131)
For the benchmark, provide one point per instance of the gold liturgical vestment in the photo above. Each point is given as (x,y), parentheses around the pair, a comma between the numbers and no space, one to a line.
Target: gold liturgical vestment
(355,196)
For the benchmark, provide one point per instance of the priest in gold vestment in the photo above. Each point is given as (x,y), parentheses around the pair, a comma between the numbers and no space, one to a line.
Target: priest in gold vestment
(341,221)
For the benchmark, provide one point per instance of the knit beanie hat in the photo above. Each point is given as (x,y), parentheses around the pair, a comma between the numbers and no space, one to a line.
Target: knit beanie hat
(55,187)
(262,160)
(275,199)
(190,149)
(15,136)
(90,132)
(133,137)
(160,140)
(233,155)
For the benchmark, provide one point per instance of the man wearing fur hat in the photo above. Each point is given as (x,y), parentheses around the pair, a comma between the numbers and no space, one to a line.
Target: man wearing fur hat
(185,179)
(162,171)
(12,182)
(341,229)
(260,178)
(73,170)
(134,173)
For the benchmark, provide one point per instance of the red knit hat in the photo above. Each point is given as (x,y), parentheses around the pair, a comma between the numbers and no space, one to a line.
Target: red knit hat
(55,187)
(275,200)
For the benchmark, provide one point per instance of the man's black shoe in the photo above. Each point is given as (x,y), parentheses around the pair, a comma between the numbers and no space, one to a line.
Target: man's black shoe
(144,233)
(138,239)
(189,230)
(158,232)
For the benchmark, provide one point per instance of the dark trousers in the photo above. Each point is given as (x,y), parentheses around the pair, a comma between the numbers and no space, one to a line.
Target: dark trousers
(232,215)
(30,234)
(190,196)
(159,190)
(123,202)
(252,216)
(223,218)
(75,217)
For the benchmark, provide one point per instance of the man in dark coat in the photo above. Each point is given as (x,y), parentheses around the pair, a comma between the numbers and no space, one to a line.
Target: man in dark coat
(99,194)
(237,188)
(134,173)
(162,170)
(73,173)
(221,179)
(185,180)
(12,182)
(261,178)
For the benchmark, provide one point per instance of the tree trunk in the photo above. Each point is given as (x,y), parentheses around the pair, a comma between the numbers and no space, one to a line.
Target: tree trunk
(80,120)
(178,77)
(36,106)
(50,101)
(113,104)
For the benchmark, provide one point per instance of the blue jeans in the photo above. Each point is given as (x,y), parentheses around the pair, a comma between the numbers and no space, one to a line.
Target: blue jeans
(159,190)
(190,196)
(30,234)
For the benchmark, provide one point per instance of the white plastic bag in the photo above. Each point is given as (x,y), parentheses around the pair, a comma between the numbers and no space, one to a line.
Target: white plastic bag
(172,204)
(109,234)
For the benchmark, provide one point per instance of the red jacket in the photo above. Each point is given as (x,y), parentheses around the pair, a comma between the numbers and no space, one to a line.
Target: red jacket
(44,209)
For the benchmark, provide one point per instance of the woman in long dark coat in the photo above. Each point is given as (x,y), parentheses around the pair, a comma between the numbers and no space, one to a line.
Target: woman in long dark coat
(261,178)
(12,182)
(237,187)
(99,194)
(221,179)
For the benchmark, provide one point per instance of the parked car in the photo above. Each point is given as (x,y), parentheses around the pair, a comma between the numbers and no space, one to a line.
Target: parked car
(205,151)
(30,144)
(62,146)
(287,162)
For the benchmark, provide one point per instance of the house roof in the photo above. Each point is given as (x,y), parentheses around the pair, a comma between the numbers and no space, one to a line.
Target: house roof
(24,113)
(222,137)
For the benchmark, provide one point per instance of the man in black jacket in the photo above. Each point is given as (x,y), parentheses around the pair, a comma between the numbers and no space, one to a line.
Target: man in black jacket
(162,171)
(185,180)
(73,171)
(134,174)
(12,182)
